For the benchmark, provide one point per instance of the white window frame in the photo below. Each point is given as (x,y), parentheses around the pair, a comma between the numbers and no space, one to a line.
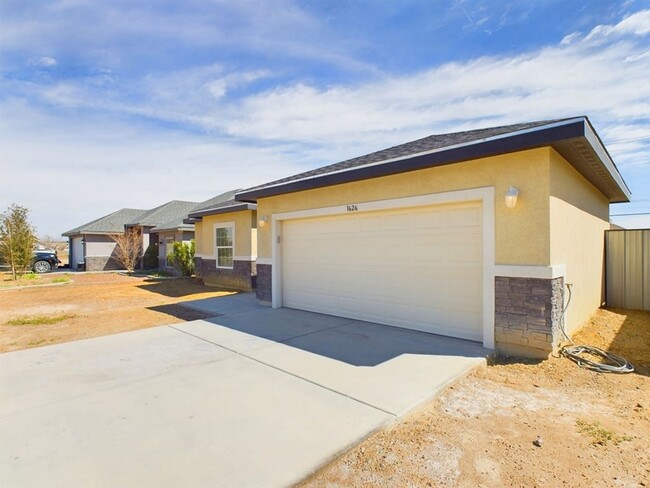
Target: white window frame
(226,225)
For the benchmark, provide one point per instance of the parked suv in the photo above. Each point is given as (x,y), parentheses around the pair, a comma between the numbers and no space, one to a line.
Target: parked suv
(45,260)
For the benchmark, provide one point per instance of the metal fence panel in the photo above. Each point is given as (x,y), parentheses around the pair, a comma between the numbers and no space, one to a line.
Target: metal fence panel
(627,263)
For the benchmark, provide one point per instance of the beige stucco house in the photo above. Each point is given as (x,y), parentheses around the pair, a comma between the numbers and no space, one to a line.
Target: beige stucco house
(226,242)
(476,235)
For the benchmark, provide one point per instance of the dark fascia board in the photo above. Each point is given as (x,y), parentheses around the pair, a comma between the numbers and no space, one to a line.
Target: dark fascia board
(501,144)
(197,216)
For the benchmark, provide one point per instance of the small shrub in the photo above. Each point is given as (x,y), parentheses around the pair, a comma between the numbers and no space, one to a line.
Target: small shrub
(151,257)
(182,257)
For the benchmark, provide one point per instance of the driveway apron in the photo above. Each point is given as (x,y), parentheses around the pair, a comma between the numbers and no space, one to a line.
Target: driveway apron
(252,397)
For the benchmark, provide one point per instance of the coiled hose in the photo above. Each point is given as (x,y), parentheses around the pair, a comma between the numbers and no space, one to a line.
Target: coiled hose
(617,364)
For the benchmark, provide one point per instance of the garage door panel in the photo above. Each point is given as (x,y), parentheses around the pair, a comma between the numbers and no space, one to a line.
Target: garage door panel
(465,252)
(464,217)
(429,220)
(418,268)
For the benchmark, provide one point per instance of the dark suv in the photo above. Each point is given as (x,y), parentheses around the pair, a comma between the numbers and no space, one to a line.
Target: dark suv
(45,260)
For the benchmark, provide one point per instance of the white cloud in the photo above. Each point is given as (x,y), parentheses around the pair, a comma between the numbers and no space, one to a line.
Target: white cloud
(43,62)
(609,83)
(570,38)
(238,135)
(636,24)
(69,170)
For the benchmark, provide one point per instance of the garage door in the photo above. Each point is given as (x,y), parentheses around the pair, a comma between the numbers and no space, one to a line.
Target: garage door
(77,252)
(419,268)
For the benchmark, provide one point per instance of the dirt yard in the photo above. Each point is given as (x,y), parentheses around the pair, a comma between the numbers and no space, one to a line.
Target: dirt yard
(592,430)
(61,307)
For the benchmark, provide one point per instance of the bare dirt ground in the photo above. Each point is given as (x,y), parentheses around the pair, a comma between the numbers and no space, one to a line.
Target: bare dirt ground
(593,428)
(92,305)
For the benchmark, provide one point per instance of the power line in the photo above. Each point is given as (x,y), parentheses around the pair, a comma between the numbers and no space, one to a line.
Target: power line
(628,214)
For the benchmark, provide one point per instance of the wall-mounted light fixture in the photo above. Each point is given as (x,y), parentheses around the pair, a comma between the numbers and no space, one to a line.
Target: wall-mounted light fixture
(263,220)
(511,197)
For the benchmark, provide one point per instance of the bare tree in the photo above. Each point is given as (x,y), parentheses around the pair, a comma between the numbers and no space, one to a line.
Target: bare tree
(128,247)
(50,242)
(17,239)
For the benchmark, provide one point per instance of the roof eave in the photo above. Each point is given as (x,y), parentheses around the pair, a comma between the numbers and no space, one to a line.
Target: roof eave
(221,210)
(181,227)
(91,232)
(577,128)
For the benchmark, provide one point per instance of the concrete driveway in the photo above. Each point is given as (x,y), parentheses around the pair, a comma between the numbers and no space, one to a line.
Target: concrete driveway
(252,397)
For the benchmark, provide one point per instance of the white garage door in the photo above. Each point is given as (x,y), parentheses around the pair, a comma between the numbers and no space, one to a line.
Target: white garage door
(419,268)
(77,252)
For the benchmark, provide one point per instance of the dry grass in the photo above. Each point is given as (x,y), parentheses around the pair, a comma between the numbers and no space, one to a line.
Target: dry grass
(94,305)
(39,319)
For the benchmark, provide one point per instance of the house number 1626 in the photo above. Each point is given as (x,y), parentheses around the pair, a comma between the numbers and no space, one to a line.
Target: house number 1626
(352,208)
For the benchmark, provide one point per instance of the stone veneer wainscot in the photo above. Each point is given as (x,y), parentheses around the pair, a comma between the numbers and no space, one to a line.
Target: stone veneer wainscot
(528,315)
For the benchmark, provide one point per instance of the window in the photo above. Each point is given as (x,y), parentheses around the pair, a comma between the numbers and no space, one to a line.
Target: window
(225,243)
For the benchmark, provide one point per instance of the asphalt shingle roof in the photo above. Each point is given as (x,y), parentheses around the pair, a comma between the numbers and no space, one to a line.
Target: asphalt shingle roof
(170,212)
(218,201)
(109,224)
(223,203)
(429,143)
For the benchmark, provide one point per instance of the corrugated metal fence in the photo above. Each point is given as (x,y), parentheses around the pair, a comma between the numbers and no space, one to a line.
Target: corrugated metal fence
(627,265)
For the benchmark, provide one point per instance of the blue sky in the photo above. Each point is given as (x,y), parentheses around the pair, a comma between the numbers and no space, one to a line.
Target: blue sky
(105,105)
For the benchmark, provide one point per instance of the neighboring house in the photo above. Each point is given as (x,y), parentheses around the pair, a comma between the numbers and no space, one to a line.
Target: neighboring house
(168,233)
(162,225)
(226,242)
(424,235)
(91,246)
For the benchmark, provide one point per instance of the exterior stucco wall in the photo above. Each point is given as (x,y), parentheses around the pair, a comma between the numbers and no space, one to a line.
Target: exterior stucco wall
(579,217)
(522,233)
(99,245)
(243,274)
(245,234)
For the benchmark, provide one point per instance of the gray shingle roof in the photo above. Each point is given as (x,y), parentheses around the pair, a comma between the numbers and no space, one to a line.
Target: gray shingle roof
(176,210)
(109,224)
(217,201)
(425,144)
(223,203)
(573,138)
